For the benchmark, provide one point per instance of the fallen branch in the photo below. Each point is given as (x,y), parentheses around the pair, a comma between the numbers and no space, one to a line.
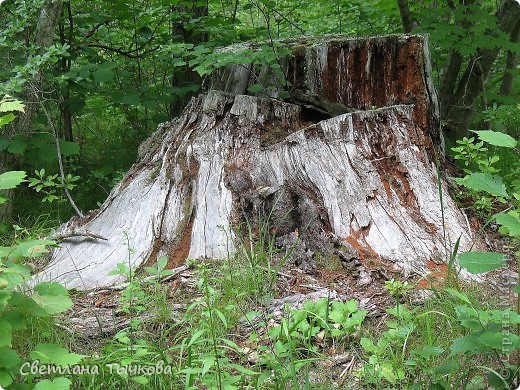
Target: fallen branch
(59,237)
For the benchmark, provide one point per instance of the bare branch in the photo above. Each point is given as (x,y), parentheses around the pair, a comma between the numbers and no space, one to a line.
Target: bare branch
(123,52)
(58,152)
(76,233)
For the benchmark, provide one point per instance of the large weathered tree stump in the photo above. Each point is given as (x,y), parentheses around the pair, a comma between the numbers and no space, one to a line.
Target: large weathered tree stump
(350,165)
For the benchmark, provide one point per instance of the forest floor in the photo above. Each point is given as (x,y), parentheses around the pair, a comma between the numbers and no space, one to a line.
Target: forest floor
(98,315)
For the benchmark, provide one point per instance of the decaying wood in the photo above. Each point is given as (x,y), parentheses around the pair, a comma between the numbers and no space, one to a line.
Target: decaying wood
(364,177)
(343,74)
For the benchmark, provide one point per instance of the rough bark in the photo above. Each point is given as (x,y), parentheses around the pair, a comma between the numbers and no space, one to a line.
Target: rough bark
(360,185)
(330,76)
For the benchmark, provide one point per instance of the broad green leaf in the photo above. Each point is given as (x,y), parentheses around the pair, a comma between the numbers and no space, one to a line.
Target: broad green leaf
(337,316)
(510,222)
(51,288)
(390,374)
(17,146)
(6,377)
(16,274)
(5,119)
(60,383)
(11,179)
(15,318)
(368,345)
(351,305)
(4,143)
(55,354)
(142,380)
(497,340)
(496,138)
(26,305)
(131,99)
(467,344)
(150,103)
(6,333)
(161,263)
(255,88)
(47,152)
(151,270)
(5,295)
(470,323)
(500,316)
(480,262)
(464,311)
(52,304)
(496,381)
(33,248)
(484,182)
(103,75)
(8,357)
(122,269)
(9,104)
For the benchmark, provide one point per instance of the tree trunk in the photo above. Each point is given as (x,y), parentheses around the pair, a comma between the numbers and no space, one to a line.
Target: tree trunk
(457,107)
(186,77)
(359,185)
(511,63)
(406,18)
(44,35)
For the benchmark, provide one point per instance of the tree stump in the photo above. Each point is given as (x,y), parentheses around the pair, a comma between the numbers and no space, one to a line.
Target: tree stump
(346,166)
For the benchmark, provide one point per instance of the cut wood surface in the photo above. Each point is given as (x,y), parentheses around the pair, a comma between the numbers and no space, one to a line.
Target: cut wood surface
(362,182)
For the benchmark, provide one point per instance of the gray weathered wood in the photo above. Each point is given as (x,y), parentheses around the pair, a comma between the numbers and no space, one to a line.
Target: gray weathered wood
(361,182)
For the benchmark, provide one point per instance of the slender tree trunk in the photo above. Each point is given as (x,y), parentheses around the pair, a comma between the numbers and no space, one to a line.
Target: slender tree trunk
(511,63)
(459,113)
(186,77)
(44,35)
(66,36)
(406,18)
(449,79)
(235,9)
